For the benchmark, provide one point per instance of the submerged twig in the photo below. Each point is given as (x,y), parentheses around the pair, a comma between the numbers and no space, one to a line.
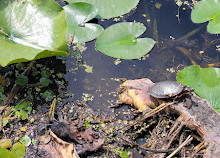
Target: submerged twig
(193,32)
(155,33)
(187,54)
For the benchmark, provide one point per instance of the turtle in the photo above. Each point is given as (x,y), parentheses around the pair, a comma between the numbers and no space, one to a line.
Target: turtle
(167,89)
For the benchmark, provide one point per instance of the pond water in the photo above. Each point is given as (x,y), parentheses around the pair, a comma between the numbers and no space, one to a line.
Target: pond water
(94,77)
(163,62)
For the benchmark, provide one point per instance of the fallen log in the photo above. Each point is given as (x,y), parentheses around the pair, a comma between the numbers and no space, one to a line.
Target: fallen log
(202,117)
(194,112)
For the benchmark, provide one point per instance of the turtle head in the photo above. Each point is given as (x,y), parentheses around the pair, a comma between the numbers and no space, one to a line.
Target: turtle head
(189,89)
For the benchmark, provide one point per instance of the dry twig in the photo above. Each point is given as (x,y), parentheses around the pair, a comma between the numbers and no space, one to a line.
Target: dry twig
(188,140)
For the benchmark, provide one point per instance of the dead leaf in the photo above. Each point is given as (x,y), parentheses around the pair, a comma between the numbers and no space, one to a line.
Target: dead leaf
(58,148)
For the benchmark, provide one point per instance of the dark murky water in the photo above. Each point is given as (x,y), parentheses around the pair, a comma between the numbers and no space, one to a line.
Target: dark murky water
(162,64)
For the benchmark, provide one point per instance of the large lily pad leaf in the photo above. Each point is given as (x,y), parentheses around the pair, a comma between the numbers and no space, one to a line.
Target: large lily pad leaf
(31,30)
(110,8)
(206,82)
(77,14)
(119,41)
(4,3)
(208,10)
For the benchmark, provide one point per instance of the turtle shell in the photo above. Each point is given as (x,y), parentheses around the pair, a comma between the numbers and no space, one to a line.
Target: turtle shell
(166,89)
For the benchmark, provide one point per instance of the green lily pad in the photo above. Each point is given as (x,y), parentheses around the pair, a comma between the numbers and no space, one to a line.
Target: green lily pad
(110,8)
(31,30)
(77,14)
(119,41)
(206,82)
(208,10)
(4,4)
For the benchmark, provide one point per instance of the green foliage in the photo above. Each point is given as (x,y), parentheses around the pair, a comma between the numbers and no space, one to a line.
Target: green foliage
(208,10)
(110,8)
(21,114)
(1,89)
(37,29)
(4,4)
(4,121)
(47,95)
(26,141)
(218,110)
(22,80)
(59,75)
(31,30)
(24,105)
(23,110)
(206,82)
(45,73)
(87,123)
(77,14)
(44,81)
(5,153)
(119,41)
(124,154)
(34,141)
(17,151)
